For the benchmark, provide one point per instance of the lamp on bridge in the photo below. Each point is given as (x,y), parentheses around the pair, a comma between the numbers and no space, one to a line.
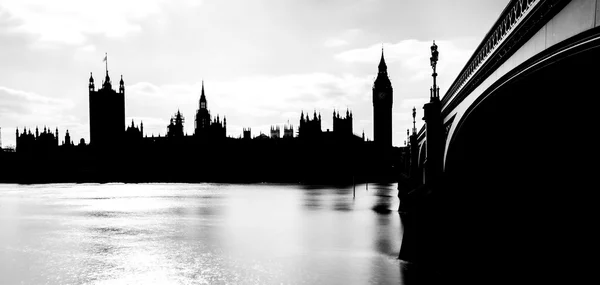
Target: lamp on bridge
(414,123)
(434,130)
(434,56)
(435,91)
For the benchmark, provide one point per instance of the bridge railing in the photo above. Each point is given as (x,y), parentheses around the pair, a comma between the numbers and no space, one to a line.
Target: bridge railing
(516,24)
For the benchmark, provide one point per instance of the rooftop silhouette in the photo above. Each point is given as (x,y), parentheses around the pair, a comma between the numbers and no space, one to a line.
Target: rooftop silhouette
(120,152)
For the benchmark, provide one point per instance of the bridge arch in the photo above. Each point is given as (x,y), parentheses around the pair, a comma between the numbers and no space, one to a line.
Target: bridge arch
(422,161)
(422,154)
(516,156)
(579,53)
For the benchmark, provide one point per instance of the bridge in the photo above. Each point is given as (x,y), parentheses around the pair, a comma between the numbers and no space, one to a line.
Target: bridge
(504,149)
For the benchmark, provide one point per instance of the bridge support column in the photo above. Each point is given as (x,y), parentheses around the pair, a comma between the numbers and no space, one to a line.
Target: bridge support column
(435,143)
(415,174)
(419,244)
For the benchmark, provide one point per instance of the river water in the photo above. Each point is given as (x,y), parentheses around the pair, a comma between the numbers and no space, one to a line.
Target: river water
(199,234)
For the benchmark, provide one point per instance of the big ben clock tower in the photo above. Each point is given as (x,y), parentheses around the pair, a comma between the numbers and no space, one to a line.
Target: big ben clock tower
(382,106)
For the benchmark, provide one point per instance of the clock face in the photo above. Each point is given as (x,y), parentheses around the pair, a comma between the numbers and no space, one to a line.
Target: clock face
(381,95)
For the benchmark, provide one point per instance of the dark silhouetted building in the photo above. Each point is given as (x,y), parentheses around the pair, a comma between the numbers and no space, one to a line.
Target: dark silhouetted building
(261,137)
(134,134)
(122,153)
(67,141)
(175,127)
(218,128)
(310,129)
(382,106)
(247,133)
(205,128)
(275,132)
(107,114)
(342,125)
(288,131)
(44,142)
(202,126)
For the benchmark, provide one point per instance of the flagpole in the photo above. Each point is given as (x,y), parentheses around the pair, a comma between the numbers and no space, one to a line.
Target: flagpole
(106,61)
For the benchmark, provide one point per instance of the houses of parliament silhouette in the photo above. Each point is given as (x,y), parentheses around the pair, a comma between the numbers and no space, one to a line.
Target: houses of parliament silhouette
(122,153)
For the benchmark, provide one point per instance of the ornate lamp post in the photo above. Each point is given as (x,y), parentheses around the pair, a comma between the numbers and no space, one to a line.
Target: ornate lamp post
(414,114)
(434,130)
(435,91)
(417,234)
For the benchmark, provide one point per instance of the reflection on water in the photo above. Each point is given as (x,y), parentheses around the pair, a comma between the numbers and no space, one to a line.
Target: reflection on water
(199,234)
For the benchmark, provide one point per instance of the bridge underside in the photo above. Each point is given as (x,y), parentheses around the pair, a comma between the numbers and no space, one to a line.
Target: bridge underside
(514,165)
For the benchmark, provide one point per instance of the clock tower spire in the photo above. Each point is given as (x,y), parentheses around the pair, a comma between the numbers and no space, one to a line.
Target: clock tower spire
(382,106)
(382,65)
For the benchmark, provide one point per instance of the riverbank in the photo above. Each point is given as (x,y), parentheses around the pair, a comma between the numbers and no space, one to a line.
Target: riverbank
(278,164)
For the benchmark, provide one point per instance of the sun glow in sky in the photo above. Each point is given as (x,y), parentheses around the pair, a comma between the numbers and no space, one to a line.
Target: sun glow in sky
(262,61)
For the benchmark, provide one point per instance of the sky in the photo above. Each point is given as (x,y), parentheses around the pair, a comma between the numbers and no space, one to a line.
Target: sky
(262,61)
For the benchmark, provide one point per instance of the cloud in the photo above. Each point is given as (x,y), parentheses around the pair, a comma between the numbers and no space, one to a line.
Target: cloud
(410,72)
(71,21)
(343,39)
(273,97)
(261,101)
(257,102)
(154,105)
(410,103)
(20,108)
(413,55)
(249,101)
(332,42)
(17,102)
(152,126)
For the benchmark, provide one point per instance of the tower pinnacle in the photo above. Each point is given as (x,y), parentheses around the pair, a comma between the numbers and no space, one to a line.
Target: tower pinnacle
(106,61)
(382,65)
(202,97)
(91,83)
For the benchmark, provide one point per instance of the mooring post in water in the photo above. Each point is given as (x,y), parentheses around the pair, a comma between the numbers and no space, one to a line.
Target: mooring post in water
(353,188)
(367,185)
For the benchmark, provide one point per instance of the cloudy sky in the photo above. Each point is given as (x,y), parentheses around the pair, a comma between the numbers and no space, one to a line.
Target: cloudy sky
(262,61)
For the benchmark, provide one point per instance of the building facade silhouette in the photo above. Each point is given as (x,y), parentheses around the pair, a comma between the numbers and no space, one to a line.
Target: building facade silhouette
(288,131)
(275,132)
(247,133)
(342,125)
(107,114)
(175,127)
(67,140)
(44,142)
(204,128)
(310,129)
(382,106)
(117,152)
(134,132)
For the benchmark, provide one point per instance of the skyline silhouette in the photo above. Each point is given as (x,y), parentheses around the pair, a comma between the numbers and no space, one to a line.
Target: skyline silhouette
(255,80)
(118,152)
(107,117)
(466,148)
